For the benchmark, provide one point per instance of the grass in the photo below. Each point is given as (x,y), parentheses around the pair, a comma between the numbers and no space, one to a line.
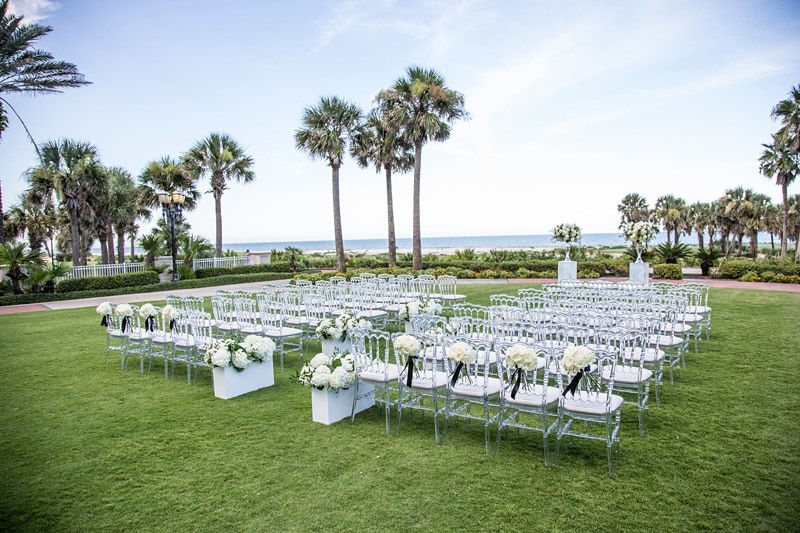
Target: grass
(89,447)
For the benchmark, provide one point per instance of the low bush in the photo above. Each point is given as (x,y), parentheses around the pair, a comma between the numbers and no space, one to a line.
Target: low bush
(737,268)
(211,272)
(667,271)
(134,279)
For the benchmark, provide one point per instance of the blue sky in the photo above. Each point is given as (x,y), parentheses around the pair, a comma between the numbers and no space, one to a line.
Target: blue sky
(573,104)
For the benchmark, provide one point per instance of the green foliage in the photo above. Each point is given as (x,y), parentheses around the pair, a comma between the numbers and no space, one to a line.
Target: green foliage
(619,267)
(211,272)
(708,258)
(467,254)
(630,255)
(185,272)
(667,271)
(134,279)
(738,268)
(671,253)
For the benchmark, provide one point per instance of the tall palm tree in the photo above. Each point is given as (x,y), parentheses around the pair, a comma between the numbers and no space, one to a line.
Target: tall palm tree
(2,216)
(377,143)
(700,218)
(423,108)
(788,111)
(221,158)
(757,219)
(777,161)
(26,70)
(326,130)
(167,175)
(633,208)
(125,205)
(72,168)
(672,213)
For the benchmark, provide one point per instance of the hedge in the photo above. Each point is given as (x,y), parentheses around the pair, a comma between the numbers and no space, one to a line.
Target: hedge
(667,271)
(134,279)
(212,272)
(737,268)
(19,299)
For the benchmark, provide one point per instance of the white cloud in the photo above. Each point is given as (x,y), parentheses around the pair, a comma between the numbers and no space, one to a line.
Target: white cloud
(32,10)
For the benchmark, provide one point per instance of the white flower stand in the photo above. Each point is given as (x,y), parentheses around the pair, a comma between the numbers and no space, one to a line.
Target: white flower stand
(329,406)
(567,270)
(330,346)
(639,272)
(229,382)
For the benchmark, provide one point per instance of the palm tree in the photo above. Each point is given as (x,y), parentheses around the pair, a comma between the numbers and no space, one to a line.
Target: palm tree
(153,245)
(2,216)
(789,112)
(326,130)
(671,212)
(195,247)
(72,169)
(777,161)
(757,221)
(381,145)
(423,109)
(26,70)
(19,263)
(633,208)
(167,175)
(221,157)
(125,205)
(794,224)
(699,219)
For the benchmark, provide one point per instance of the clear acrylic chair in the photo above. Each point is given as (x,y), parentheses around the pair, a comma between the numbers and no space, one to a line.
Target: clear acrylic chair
(421,385)
(375,367)
(528,400)
(592,411)
(473,390)
(116,340)
(287,339)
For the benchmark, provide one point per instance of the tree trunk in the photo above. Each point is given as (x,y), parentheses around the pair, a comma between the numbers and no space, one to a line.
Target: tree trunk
(341,262)
(133,245)
(669,233)
(110,237)
(416,237)
(390,217)
(218,189)
(2,226)
(700,243)
(785,221)
(121,246)
(103,238)
(754,244)
(676,236)
(76,239)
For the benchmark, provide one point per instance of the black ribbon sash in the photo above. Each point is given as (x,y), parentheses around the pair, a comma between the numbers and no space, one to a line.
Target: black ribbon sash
(172,324)
(409,369)
(516,379)
(104,321)
(456,372)
(149,324)
(573,385)
(125,321)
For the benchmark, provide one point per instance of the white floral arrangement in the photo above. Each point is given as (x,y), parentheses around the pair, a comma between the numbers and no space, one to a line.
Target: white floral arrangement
(123,310)
(461,352)
(567,233)
(335,373)
(406,345)
(415,307)
(521,356)
(104,310)
(337,328)
(169,313)
(640,233)
(147,311)
(577,358)
(239,355)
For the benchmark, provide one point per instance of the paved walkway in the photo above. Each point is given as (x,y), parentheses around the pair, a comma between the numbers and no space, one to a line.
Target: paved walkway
(254,286)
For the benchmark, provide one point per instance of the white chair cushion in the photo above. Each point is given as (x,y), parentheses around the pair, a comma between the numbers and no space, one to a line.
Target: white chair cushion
(379,373)
(436,381)
(475,390)
(582,404)
(537,396)
(629,375)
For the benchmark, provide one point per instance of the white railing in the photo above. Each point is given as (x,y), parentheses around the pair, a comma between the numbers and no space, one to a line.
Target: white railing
(223,262)
(102,270)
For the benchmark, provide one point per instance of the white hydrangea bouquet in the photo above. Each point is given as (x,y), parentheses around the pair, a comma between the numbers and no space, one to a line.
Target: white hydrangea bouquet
(462,354)
(521,358)
(148,312)
(415,307)
(407,346)
(337,328)
(169,314)
(335,373)
(126,312)
(239,354)
(639,234)
(104,310)
(577,360)
(567,233)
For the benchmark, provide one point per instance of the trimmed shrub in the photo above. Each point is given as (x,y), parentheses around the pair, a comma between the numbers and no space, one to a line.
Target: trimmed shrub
(618,267)
(667,271)
(211,272)
(134,279)
(737,268)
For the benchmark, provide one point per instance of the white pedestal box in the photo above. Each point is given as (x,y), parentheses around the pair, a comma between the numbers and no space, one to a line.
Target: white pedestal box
(329,406)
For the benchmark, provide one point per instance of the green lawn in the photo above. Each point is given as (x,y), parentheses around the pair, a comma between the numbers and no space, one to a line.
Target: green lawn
(88,447)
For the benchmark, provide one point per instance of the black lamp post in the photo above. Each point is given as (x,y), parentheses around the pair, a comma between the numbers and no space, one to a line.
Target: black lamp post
(172,207)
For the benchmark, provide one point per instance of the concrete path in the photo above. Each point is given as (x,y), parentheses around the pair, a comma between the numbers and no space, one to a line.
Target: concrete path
(254,286)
